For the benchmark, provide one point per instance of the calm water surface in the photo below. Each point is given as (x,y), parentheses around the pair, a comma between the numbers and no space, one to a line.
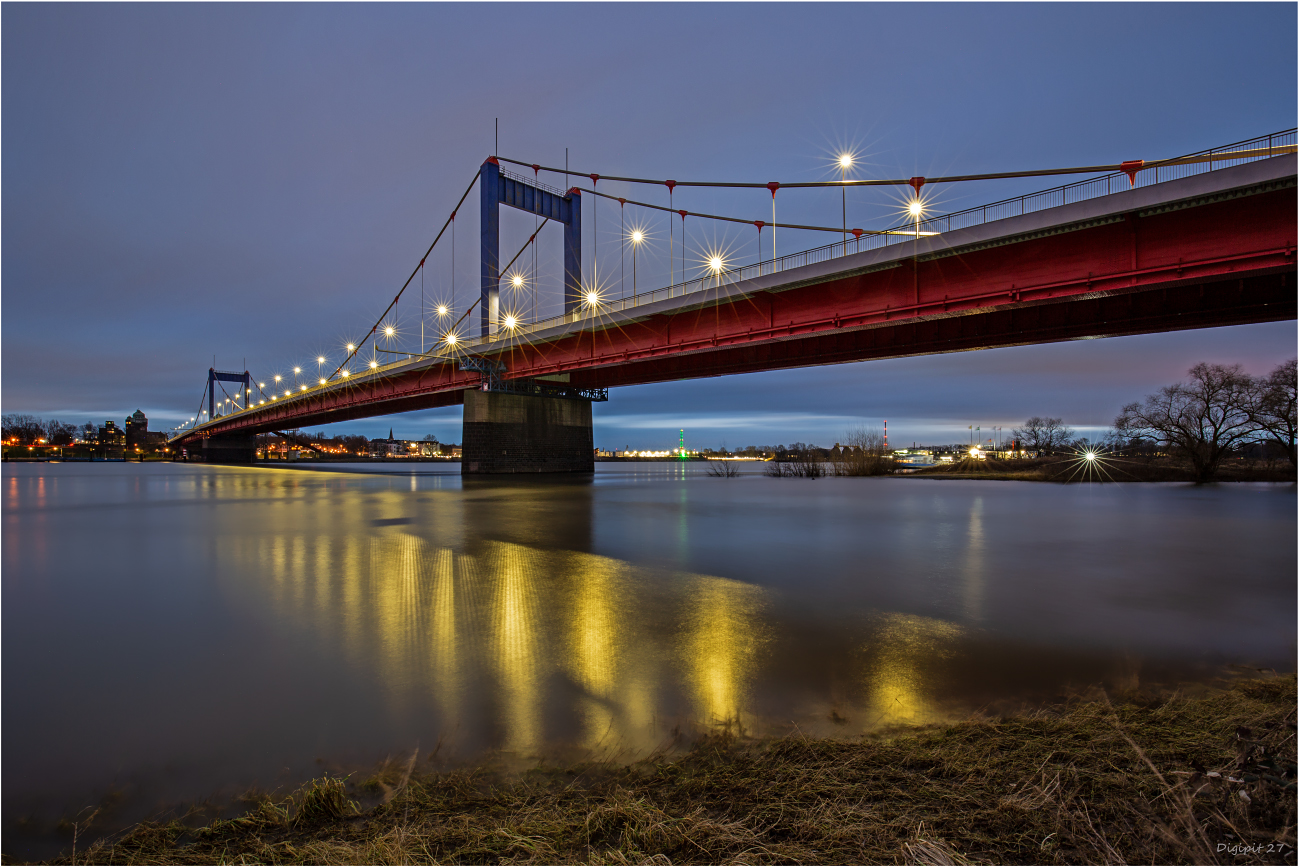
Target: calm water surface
(177,632)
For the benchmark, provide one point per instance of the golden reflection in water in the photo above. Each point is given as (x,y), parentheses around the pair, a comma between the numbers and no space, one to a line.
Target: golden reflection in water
(482,633)
(904,650)
(719,646)
(395,562)
(323,577)
(443,634)
(973,585)
(596,639)
(515,634)
(297,570)
(350,614)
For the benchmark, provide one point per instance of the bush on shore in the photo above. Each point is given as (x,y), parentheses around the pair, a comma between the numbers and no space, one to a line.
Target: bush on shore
(1208,779)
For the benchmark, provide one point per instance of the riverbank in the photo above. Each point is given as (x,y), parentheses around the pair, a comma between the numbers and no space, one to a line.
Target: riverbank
(1104,469)
(1207,777)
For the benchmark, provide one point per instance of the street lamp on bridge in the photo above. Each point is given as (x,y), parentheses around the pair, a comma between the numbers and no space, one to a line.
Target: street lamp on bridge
(846,162)
(636,237)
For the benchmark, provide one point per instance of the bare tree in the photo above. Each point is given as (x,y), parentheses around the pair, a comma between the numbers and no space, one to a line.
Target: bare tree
(27,428)
(59,434)
(803,462)
(864,454)
(1203,419)
(1043,436)
(724,469)
(1272,407)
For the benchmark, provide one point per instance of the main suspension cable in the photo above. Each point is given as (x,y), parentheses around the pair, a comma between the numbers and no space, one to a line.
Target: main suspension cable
(414,271)
(1130,165)
(685,214)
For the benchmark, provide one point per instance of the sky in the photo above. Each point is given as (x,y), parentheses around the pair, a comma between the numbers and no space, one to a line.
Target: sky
(252,183)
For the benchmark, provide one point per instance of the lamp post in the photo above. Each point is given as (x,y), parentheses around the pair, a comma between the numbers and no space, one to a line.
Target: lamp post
(846,161)
(715,268)
(637,237)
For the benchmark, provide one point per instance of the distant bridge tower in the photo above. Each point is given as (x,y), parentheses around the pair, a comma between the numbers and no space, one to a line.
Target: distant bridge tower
(494,191)
(214,376)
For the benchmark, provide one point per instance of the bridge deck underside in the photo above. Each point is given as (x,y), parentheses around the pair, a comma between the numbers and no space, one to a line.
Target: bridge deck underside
(1226,262)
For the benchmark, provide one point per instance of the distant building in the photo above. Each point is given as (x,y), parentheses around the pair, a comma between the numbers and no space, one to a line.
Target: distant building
(137,432)
(111,442)
(914,457)
(395,448)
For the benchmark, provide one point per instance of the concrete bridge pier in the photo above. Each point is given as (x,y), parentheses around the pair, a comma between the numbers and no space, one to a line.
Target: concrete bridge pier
(228,449)
(514,433)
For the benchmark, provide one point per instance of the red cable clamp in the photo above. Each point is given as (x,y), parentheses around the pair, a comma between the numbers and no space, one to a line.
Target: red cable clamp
(683,213)
(760,224)
(773,186)
(857,233)
(670,185)
(594,179)
(1131,168)
(622,202)
(536,168)
(916,184)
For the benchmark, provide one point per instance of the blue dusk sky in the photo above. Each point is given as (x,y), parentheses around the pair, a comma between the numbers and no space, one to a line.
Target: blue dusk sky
(254,182)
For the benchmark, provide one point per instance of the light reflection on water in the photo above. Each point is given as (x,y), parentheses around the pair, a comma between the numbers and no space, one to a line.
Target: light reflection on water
(505,620)
(182,631)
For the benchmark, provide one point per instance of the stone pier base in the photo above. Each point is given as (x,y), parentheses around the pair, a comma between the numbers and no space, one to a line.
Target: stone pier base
(511,433)
(224,450)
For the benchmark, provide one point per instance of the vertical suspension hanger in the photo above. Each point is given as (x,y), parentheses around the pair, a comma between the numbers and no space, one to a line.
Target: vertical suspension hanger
(595,239)
(773,186)
(622,248)
(670,219)
(670,185)
(453,266)
(533,287)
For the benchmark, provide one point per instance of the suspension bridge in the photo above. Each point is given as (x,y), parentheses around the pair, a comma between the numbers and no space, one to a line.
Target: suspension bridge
(1202,240)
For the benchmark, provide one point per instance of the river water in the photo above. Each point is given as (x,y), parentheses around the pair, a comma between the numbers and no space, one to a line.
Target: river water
(180,632)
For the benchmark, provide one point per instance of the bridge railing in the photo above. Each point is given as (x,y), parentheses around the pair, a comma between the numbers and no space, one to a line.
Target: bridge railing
(1238,153)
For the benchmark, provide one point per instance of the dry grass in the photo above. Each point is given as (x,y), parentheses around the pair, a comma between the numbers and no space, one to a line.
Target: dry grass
(1084,782)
